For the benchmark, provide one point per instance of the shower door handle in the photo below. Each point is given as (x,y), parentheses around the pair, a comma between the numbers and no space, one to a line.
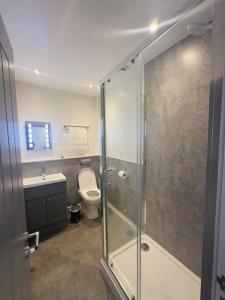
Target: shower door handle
(108,171)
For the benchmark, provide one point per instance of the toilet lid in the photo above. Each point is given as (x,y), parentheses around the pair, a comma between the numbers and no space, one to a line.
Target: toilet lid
(92,193)
(86,179)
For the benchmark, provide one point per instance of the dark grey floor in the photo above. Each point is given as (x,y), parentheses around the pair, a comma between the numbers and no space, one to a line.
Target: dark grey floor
(67,265)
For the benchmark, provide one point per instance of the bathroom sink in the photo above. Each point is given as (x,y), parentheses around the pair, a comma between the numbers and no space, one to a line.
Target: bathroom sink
(42,180)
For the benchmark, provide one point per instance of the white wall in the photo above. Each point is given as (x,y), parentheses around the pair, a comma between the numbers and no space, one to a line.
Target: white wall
(60,108)
(122,116)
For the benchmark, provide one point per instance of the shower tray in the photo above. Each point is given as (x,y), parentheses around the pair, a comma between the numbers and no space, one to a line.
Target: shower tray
(162,275)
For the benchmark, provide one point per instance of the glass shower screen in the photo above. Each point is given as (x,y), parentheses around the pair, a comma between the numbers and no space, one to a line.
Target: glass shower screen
(156,113)
(176,86)
(121,174)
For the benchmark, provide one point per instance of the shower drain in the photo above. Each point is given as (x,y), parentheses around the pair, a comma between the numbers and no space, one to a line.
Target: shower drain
(145,247)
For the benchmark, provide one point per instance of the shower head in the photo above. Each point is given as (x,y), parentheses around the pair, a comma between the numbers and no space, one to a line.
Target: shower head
(198,29)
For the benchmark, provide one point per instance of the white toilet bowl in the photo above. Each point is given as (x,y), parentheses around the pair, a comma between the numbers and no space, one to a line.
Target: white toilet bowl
(89,192)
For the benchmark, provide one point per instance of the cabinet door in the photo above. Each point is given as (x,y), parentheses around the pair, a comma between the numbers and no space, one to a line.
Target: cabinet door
(56,208)
(36,214)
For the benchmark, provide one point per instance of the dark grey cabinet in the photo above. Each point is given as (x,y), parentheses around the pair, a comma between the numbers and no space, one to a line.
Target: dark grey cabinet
(36,214)
(56,205)
(46,208)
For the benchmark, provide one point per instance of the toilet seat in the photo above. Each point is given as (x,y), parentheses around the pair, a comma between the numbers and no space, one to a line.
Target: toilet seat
(86,194)
(87,179)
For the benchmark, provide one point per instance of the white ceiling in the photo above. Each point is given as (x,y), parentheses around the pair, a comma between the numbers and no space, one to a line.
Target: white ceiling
(77,42)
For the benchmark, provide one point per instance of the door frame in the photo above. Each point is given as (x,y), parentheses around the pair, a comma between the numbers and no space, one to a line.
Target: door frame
(215,185)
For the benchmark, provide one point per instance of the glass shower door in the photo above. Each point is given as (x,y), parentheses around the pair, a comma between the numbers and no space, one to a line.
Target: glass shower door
(121,175)
(176,86)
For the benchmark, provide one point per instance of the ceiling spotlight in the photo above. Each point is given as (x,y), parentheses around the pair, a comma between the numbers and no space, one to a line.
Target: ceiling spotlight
(36,71)
(154,26)
(91,85)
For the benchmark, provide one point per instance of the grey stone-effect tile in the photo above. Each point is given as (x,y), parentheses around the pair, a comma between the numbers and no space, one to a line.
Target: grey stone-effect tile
(122,193)
(67,265)
(177,108)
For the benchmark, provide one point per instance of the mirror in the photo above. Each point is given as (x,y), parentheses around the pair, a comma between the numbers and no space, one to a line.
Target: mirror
(38,135)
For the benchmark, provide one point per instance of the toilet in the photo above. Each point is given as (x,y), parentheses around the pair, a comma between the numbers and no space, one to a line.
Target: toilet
(89,192)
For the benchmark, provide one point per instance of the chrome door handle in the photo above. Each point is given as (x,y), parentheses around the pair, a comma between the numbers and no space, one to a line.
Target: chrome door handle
(107,171)
(29,250)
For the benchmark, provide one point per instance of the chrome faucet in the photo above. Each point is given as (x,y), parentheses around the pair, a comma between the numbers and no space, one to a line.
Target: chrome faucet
(43,173)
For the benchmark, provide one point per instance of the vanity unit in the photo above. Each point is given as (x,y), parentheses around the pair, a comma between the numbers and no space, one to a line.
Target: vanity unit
(46,203)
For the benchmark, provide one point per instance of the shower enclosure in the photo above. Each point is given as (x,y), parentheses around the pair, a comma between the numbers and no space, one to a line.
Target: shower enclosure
(155,123)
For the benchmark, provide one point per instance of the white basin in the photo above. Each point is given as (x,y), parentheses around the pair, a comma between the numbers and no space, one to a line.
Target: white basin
(39,180)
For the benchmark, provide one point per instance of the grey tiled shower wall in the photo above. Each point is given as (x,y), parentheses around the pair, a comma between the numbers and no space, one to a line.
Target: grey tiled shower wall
(122,193)
(69,167)
(176,112)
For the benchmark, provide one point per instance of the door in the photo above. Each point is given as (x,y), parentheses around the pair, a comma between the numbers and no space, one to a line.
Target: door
(14,267)
(213,271)
(218,278)
(220,267)
(176,88)
(120,176)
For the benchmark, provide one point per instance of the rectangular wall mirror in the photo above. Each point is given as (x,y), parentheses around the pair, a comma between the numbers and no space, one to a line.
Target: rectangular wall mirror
(38,135)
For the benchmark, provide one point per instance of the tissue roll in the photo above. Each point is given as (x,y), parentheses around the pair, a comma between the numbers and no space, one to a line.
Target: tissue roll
(122,174)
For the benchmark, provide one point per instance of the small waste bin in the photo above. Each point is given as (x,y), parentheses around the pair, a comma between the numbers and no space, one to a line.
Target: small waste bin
(75,212)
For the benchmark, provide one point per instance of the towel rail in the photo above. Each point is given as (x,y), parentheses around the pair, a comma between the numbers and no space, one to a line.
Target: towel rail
(79,126)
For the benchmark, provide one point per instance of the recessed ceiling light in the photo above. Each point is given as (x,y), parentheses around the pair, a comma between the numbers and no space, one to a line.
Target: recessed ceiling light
(154,26)
(36,71)
(91,85)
